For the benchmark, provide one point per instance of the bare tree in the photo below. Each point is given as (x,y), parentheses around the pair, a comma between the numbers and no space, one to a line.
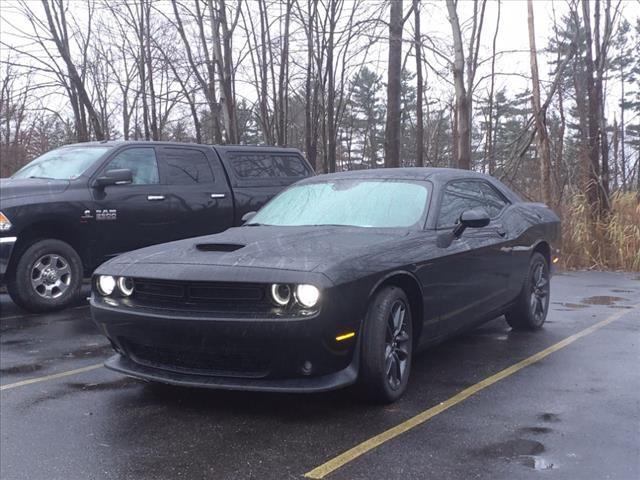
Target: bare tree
(544,152)
(464,84)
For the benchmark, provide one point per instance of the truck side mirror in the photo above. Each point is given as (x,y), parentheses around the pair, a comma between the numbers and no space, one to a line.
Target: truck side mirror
(473,218)
(121,176)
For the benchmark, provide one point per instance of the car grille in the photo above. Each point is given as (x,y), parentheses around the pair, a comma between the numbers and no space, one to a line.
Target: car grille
(219,297)
(221,361)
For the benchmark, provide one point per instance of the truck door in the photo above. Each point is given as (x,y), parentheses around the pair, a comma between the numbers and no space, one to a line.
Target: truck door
(199,193)
(130,216)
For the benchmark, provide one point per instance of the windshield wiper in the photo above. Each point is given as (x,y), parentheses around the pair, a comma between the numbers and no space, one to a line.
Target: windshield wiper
(253,224)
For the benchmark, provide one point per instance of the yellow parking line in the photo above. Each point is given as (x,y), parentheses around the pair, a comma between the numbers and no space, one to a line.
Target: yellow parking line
(50,377)
(370,444)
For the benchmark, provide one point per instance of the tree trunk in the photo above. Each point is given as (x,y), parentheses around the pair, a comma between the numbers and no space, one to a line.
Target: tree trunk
(284,80)
(308,105)
(593,190)
(463,117)
(623,158)
(419,87)
(394,74)
(331,110)
(542,135)
(615,145)
(490,153)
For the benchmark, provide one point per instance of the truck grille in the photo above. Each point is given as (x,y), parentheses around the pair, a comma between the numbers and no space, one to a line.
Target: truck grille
(222,361)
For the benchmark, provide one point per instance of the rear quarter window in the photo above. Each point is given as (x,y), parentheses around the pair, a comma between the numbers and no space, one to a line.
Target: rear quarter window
(254,166)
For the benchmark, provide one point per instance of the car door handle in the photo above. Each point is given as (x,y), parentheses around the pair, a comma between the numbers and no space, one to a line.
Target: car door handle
(218,195)
(155,198)
(501,231)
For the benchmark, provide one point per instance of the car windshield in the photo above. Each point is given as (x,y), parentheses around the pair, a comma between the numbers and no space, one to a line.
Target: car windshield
(61,164)
(357,203)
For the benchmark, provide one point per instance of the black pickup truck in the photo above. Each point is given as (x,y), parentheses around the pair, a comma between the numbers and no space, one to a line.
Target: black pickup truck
(69,210)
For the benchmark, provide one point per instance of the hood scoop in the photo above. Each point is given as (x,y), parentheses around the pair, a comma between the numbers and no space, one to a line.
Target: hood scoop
(219,247)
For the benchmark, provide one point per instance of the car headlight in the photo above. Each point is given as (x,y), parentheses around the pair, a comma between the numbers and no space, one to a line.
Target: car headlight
(281,294)
(106,284)
(5,224)
(125,285)
(307,295)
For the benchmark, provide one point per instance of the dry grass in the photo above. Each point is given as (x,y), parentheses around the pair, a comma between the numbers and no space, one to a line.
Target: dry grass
(612,244)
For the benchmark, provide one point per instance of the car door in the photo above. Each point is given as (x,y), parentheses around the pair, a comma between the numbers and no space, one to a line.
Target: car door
(199,193)
(472,268)
(130,216)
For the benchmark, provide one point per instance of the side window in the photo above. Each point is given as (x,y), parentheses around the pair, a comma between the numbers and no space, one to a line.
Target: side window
(187,166)
(142,163)
(494,202)
(458,197)
(260,165)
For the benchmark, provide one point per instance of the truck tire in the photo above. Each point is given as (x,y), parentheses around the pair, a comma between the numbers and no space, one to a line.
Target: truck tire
(47,277)
(532,305)
(387,340)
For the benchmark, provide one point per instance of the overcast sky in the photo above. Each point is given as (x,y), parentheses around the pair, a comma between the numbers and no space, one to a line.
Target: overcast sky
(512,37)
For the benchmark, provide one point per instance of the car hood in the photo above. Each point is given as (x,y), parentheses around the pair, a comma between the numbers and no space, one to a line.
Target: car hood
(27,187)
(303,249)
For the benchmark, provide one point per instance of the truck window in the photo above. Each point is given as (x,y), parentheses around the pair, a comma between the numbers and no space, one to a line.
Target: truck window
(187,166)
(142,163)
(261,165)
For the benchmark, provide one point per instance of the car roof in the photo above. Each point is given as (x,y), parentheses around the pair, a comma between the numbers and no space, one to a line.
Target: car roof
(415,173)
(434,174)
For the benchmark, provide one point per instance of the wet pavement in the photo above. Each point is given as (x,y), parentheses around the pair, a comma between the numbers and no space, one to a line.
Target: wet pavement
(573,415)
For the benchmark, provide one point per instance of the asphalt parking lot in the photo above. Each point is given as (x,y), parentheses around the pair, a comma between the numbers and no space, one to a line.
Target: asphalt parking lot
(568,408)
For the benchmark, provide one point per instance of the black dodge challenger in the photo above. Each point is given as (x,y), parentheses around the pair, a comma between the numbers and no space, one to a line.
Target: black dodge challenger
(337,280)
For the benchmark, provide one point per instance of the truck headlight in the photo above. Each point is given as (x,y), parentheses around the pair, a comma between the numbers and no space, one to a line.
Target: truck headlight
(307,295)
(5,224)
(106,284)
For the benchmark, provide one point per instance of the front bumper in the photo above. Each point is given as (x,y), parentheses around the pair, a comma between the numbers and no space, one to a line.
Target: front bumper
(263,354)
(6,248)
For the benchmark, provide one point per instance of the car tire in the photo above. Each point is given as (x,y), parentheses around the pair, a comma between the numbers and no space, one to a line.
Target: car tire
(386,347)
(47,277)
(532,305)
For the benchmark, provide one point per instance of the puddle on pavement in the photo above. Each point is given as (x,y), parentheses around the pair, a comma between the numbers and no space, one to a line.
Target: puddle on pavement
(24,368)
(102,386)
(572,306)
(16,342)
(536,430)
(549,417)
(602,300)
(90,351)
(536,463)
(521,450)
(514,448)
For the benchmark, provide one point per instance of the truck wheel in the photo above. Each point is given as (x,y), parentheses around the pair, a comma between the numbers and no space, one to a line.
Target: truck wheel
(386,347)
(47,277)
(530,310)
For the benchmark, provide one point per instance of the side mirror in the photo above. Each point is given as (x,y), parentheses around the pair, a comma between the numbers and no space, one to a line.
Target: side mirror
(474,218)
(248,216)
(121,176)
